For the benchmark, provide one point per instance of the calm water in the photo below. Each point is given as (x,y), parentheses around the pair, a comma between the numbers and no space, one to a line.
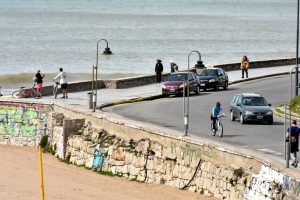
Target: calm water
(46,35)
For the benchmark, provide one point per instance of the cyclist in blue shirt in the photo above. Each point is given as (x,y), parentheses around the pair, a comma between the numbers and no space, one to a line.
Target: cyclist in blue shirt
(294,132)
(216,112)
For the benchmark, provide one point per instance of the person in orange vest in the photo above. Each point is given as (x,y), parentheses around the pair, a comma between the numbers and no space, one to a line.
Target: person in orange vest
(245,66)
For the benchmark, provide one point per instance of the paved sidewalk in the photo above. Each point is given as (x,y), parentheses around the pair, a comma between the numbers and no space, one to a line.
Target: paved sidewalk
(106,96)
(110,95)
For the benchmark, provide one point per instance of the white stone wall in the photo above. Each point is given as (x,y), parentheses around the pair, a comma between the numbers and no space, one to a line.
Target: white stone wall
(179,165)
(159,168)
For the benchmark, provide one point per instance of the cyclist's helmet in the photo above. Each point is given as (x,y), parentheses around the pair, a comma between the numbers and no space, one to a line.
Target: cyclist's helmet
(218,104)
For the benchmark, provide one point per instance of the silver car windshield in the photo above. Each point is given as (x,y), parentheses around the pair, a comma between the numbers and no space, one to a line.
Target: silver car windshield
(177,77)
(254,101)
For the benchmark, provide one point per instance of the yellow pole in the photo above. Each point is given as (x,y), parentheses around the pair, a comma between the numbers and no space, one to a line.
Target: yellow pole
(41,173)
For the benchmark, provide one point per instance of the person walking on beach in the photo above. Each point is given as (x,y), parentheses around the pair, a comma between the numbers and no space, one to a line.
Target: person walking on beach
(158,70)
(245,66)
(63,82)
(39,80)
(174,67)
(293,132)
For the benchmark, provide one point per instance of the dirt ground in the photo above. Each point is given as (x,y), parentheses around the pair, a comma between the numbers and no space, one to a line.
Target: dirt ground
(19,179)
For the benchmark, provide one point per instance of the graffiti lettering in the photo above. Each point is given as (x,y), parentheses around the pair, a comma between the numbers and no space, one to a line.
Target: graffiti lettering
(17,119)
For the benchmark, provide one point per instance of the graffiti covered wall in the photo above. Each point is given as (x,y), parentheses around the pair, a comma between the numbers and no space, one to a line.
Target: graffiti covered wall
(22,123)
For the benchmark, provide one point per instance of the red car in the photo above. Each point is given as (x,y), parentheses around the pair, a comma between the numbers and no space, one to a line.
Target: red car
(177,81)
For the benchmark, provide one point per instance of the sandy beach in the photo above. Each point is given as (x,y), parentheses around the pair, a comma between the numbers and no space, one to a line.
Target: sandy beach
(20,180)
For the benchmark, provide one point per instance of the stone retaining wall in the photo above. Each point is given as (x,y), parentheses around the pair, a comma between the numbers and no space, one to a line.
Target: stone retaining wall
(137,153)
(107,144)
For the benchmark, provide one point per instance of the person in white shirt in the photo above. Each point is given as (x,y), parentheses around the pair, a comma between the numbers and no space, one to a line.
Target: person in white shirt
(63,82)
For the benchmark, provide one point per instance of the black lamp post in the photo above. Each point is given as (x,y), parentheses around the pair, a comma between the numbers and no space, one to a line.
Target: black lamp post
(297,54)
(186,105)
(95,68)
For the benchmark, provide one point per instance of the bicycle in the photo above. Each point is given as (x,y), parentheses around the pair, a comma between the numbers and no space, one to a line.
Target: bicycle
(55,88)
(219,127)
(24,92)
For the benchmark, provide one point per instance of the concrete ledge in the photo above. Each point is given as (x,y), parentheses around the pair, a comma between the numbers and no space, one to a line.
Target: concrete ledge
(259,64)
(150,79)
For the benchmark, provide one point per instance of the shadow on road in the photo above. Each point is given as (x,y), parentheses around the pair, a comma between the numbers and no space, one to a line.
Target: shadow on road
(220,90)
(191,95)
(262,123)
(231,136)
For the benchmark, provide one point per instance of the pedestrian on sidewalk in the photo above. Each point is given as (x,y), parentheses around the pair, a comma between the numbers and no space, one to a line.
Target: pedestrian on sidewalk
(158,70)
(39,80)
(293,132)
(245,66)
(63,82)
(174,66)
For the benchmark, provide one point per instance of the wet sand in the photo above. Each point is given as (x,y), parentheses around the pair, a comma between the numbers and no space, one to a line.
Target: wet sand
(20,179)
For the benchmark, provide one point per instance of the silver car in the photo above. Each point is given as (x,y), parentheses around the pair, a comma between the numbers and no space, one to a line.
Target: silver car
(250,107)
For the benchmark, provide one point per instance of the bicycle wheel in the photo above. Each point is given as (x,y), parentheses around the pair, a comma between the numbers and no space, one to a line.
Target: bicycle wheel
(16,94)
(55,91)
(220,130)
(36,94)
(212,130)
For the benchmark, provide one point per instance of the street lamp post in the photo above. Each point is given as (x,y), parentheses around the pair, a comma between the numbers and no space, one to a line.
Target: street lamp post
(95,72)
(288,143)
(186,104)
(297,52)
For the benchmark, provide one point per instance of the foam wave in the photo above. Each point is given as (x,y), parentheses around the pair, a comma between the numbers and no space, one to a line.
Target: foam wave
(14,81)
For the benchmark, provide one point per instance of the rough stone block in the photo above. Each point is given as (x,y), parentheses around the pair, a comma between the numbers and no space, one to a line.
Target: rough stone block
(113,162)
(143,146)
(133,170)
(168,153)
(157,149)
(118,154)
(57,119)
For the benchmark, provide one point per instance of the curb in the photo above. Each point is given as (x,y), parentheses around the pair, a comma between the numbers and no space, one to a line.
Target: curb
(158,96)
(279,111)
(134,100)
(258,77)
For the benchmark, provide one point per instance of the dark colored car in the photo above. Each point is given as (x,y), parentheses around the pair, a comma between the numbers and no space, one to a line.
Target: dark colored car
(178,81)
(250,107)
(213,78)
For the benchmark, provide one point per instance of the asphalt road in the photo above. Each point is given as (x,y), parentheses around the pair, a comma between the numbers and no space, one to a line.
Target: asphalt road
(168,112)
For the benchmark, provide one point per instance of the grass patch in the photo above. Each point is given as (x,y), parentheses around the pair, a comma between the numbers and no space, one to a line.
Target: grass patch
(278,110)
(295,104)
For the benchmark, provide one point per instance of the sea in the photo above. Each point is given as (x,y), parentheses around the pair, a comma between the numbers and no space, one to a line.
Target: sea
(49,34)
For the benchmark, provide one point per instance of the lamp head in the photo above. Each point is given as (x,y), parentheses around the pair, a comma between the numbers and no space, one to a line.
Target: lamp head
(107,51)
(199,64)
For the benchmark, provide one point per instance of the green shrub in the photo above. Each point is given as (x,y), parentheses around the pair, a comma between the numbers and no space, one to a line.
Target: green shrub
(44,141)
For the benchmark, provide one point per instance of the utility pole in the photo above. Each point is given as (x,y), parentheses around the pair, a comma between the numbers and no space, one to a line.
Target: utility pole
(297,47)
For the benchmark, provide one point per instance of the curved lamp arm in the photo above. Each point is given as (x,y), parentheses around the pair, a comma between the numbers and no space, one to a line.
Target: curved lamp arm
(194,51)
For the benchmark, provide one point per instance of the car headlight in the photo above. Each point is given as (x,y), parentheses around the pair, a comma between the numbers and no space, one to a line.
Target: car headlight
(212,80)
(248,113)
(269,113)
(164,87)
